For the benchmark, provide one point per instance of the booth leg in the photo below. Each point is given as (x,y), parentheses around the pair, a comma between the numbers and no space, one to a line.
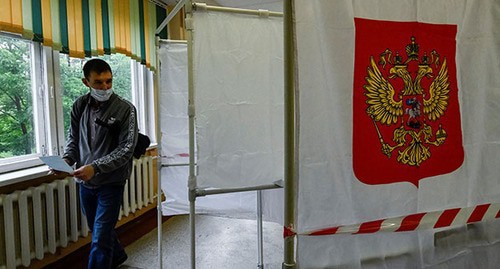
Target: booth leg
(260,231)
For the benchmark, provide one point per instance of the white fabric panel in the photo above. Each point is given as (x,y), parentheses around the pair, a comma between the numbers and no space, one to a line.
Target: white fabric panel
(175,147)
(175,142)
(328,192)
(238,62)
(174,102)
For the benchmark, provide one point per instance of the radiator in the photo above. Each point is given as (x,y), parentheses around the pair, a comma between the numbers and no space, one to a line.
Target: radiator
(39,220)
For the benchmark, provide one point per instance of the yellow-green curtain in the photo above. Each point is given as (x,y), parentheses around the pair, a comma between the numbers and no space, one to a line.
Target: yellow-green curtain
(153,25)
(11,16)
(47,23)
(56,23)
(85,28)
(146,33)
(75,28)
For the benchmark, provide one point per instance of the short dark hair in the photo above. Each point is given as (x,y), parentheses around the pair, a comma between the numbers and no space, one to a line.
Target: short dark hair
(95,65)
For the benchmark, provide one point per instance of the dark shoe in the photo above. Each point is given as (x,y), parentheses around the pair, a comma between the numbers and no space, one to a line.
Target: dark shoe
(119,261)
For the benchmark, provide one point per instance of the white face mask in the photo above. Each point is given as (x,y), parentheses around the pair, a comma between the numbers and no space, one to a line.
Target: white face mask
(101,95)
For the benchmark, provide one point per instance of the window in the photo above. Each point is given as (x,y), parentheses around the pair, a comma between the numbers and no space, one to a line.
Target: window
(22,137)
(37,89)
(16,100)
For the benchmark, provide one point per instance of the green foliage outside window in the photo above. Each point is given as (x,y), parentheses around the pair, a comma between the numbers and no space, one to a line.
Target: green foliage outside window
(16,105)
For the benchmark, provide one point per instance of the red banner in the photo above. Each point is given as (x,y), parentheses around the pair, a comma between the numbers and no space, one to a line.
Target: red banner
(406,115)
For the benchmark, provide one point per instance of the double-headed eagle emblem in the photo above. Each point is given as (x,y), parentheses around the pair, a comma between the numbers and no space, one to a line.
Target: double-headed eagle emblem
(411,108)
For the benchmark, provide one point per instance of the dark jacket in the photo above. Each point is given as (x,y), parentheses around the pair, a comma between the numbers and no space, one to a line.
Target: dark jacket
(110,150)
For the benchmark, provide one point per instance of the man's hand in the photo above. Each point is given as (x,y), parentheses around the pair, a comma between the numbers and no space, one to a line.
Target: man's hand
(58,173)
(85,172)
(68,161)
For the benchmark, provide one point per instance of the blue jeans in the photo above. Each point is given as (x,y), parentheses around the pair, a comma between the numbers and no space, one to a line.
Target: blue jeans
(101,207)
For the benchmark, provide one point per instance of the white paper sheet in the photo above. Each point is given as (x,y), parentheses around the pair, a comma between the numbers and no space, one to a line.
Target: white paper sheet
(57,163)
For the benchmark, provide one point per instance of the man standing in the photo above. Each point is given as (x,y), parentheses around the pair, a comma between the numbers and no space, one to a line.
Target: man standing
(101,141)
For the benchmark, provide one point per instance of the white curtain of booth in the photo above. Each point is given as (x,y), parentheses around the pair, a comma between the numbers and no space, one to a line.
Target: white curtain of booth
(328,192)
(175,146)
(238,81)
(175,142)
(173,102)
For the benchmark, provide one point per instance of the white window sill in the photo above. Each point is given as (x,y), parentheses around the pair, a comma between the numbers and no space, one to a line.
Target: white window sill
(23,175)
(26,174)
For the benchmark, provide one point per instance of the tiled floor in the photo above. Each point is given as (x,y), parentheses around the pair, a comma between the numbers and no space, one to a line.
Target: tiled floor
(220,243)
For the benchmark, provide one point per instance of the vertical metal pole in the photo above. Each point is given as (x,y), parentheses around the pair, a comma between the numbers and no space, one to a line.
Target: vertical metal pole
(188,8)
(158,160)
(177,7)
(260,240)
(290,137)
(192,225)
(159,215)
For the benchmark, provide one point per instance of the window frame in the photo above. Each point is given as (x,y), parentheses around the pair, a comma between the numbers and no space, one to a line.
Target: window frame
(48,117)
(150,105)
(59,113)
(38,90)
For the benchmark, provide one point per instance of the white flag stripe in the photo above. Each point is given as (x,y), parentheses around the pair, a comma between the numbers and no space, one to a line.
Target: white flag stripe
(391,225)
(429,220)
(462,216)
(350,229)
(492,212)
